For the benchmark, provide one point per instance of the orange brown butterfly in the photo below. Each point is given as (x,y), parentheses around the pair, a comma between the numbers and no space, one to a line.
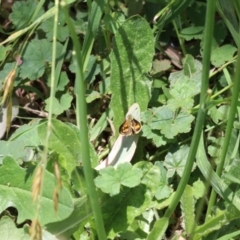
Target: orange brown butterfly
(130,127)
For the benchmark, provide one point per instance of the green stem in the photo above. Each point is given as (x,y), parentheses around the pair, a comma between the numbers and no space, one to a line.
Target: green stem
(156,232)
(82,124)
(231,117)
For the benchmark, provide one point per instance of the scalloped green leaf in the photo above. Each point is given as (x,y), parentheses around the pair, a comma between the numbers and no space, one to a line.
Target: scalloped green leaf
(222,54)
(9,230)
(163,190)
(133,201)
(175,162)
(133,48)
(35,58)
(48,25)
(22,12)
(59,105)
(169,122)
(17,192)
(111,179)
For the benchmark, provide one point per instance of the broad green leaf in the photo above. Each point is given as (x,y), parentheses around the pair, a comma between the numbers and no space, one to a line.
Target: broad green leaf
(35,58)
(199,189)
(62,31)
(22,12)
(155,135)
(121,210)
(182,94)
(63,81)
(170,123)
(9,230)
(17,192)
(164,189)
(65,140)
(59,106)
(190,33)
(131,60)
(192,72)
(93,95)
(24,141)
(111,179)
(98,127)
(222,54)
(161,66)
(151,176)
(175,162)
(219,114)
(78,218)
(215,147)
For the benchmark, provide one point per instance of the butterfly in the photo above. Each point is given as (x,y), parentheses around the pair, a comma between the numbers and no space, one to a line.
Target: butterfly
(130,126)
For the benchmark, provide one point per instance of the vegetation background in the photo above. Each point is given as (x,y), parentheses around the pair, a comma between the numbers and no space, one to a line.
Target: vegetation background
(71,70)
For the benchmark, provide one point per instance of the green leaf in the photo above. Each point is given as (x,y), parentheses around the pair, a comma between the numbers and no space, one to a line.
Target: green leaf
(155,135)
(182,95)
(98,127)
(187,206)
(93,95)
(131,60)
(151,176)
(37,54)
(170,123)
(222,54)
(22,12)
(215,148)
(161,66)
(59,106)
(199,189)
(65,140)
(133,201)
(78,218)
(164,189)
(190,33)
(219,114)
(3,52)
(62,31)
(192,72)
(63,81)
(9,230)
(175,162)
(17,192)
(24,141)
(111,179)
